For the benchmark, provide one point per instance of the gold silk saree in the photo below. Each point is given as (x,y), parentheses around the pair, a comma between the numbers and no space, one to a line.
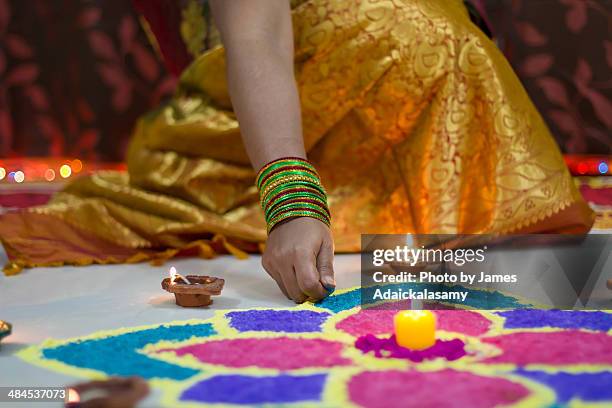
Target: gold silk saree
(412,116)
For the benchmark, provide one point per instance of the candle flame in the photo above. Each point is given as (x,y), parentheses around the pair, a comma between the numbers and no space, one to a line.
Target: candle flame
(174,275)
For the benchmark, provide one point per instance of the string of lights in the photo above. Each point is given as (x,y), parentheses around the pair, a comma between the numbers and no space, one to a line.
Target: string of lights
(41,170)
(589,165)
(50,170)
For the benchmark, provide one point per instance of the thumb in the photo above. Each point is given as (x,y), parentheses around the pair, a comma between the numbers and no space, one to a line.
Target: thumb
(325,265)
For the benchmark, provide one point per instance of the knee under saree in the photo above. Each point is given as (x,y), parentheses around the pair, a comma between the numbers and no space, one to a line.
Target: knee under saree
(411,114)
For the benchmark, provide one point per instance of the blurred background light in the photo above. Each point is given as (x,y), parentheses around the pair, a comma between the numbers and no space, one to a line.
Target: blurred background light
(49,175)
(19,176)
(76,165)
(65,171)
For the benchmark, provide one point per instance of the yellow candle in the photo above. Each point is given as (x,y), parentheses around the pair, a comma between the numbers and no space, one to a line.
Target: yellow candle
(415,329)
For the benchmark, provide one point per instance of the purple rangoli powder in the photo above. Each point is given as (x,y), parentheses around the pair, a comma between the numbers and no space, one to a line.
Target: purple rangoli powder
(388,348)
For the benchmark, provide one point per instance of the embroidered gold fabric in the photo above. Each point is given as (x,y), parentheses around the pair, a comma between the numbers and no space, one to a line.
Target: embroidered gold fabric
(194,27)
(412,116)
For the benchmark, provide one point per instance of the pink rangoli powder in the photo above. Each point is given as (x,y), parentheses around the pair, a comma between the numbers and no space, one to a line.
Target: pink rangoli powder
(552,348)
(445,388)
(381,322)
(282,353)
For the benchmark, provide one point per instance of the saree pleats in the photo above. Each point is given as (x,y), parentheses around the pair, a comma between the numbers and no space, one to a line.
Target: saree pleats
(413,118)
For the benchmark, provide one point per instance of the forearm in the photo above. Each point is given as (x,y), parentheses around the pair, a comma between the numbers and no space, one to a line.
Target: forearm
(265,99)
(259,54)
(258,40)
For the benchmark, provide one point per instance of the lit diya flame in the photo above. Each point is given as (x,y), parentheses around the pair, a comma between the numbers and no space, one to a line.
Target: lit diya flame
(174,275)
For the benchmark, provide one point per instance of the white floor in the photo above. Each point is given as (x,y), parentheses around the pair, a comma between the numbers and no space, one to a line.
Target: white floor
(74,301)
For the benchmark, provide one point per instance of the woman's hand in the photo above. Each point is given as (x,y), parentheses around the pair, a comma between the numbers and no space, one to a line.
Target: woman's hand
(299,257)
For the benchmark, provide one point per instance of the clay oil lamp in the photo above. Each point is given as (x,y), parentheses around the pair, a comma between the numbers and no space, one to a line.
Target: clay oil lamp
(115,392)
(192,290)
(5,329)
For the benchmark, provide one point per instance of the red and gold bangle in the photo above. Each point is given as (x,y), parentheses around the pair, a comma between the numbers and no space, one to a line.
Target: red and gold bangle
(298,206)
(285,194)
(294,186)
(294,214)
(297,200)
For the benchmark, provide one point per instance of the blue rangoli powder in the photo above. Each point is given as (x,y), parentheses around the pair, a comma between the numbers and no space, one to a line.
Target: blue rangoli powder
(562,319)
(342,301)
(585,386)
(117,355)
(477,299)
(243,389)
(288,321)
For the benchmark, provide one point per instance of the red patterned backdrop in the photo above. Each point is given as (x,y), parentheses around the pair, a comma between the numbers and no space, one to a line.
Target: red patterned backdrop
(75,74)
(562,50)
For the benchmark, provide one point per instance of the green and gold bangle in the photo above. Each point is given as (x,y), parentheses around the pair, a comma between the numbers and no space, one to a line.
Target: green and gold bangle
(296,207)
(286,163)
(273,173)
(291,187)
(296,198)
(288,179)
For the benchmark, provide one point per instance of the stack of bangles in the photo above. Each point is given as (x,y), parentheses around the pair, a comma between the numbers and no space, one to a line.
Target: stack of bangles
(290,187)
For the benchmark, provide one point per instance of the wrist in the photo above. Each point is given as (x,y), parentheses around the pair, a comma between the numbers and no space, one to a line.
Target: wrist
(290,188)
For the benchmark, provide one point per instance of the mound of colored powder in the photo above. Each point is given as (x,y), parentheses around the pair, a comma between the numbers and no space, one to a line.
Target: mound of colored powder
(289,321)
(388,348)
(444,388)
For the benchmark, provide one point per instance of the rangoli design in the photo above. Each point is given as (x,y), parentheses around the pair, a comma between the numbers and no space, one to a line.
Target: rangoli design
(306,355)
